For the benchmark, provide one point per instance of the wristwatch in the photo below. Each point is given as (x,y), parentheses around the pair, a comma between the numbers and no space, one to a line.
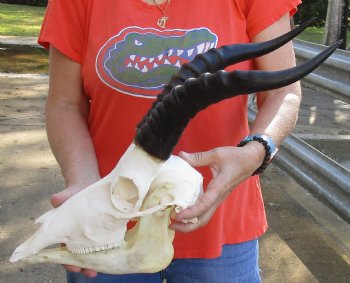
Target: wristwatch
(270,150)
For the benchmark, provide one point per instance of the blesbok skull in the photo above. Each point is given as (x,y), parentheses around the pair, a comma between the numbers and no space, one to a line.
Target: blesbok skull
(93,223)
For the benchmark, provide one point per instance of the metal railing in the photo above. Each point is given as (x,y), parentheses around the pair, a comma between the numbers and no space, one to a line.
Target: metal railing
(323,177)
(314,171)
(333,76)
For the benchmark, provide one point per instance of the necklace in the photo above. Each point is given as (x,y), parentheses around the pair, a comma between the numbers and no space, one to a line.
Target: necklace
(161,22)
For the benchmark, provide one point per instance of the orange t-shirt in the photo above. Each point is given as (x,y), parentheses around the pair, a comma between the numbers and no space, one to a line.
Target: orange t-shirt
(125,61)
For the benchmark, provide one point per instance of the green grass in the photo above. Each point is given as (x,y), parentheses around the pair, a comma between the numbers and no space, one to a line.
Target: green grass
(315,35)
(312,34)
(20,20)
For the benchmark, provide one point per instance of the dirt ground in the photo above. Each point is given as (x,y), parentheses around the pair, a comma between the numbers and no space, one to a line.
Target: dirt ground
(306,242)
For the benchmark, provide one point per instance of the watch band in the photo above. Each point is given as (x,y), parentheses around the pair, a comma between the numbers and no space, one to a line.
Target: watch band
(270,150)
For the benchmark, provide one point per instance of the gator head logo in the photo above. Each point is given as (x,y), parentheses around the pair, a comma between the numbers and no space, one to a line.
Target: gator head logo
(139,61)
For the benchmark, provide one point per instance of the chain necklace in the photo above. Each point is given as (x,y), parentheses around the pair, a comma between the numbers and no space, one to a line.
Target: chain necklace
(161,22)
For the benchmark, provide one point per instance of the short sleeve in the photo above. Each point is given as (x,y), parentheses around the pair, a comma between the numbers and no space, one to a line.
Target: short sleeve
(64,27)
(262,13)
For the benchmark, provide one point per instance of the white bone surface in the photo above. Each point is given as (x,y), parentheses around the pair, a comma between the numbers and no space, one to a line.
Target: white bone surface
(147,248)
(93,222)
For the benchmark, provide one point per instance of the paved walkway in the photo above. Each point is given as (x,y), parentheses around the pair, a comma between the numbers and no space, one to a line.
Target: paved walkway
(21,40)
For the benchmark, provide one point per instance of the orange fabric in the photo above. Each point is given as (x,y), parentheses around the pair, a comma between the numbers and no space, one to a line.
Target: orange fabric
(107,36)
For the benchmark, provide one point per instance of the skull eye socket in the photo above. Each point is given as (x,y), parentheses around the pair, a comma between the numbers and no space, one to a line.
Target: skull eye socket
(125,194)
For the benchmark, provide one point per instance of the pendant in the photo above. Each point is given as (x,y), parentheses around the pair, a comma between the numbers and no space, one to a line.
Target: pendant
(162,21)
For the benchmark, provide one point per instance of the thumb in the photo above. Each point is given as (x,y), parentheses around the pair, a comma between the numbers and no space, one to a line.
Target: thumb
(198,159)
(62,196)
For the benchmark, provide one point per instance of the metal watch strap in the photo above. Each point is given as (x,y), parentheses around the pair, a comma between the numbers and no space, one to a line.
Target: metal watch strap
(270,150)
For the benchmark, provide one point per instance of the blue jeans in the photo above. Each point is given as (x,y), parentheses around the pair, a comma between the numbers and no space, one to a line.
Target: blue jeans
(238,263)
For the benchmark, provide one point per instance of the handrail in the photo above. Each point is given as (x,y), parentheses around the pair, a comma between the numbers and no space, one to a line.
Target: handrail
(316,172)
(333,76)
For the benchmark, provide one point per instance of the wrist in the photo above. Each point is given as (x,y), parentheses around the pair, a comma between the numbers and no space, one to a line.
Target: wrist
(262,148)
(81,179)
(256,152)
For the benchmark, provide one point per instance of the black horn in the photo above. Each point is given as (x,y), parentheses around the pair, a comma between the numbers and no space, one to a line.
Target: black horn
(219,58)
(168,118)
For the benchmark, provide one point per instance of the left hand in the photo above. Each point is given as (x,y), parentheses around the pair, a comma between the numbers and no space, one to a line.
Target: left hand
(229,167)
(57,200)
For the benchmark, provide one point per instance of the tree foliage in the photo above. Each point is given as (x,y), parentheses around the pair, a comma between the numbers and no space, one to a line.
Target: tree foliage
(41,3)
(312,9)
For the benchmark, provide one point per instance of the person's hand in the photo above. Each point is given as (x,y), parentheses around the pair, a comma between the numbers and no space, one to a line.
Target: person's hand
(229,167)
(56,200)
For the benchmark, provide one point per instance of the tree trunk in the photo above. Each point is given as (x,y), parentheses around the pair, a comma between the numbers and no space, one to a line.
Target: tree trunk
(292,23)
(334,18)
(345,24)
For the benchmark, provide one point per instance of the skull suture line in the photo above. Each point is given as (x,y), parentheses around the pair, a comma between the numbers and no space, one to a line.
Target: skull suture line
(148,183)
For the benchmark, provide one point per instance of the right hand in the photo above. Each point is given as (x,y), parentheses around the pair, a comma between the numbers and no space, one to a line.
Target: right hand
(56,200)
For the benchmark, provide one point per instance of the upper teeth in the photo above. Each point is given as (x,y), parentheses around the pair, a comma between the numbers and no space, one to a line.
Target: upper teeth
(93,249)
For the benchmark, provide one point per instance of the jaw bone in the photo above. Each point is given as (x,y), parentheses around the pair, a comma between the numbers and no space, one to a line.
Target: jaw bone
(147,248)
(93,222)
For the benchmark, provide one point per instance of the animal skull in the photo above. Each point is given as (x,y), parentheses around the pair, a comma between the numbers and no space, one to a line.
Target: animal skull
(92,224)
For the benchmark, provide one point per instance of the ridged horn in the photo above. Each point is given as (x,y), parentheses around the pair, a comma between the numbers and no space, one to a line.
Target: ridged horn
(262,80)
(168,118)
(219,58)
